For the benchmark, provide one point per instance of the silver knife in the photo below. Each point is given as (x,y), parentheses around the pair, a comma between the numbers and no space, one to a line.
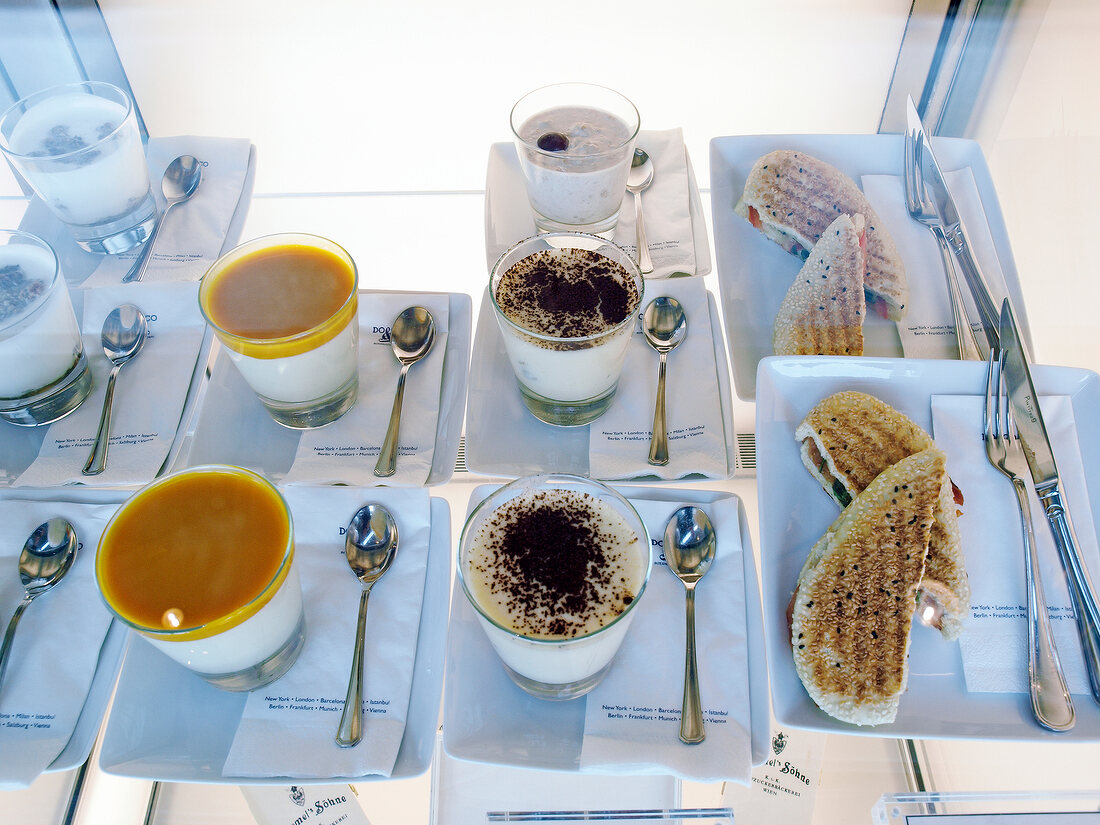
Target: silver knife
(921,209)
(1044,472)
(955,234)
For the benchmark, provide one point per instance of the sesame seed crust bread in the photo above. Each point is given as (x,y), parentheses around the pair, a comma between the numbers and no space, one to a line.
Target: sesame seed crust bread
(793,197)
(847,440)
(822,312)
(854,602)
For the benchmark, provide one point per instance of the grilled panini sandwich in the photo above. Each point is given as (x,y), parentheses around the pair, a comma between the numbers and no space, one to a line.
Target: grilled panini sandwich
(853,607)
(823,311)
(847,440)
(792,198)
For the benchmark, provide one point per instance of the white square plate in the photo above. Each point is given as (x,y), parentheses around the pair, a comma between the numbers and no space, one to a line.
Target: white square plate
(168,724)
(487,718)
(232,426)
(754,273)
(504,439)
(936,703)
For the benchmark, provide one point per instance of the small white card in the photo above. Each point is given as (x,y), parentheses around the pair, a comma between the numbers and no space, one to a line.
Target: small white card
(783,789)
(301,804)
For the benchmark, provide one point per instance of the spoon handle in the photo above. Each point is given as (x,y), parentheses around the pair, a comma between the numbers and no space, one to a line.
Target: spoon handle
(658,443)
(97,459)
(691,718)
(351,722)
(387,457)
(141,264)
(645,262)
(10,634)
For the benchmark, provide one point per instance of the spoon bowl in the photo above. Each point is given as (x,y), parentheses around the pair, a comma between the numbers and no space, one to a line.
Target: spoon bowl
(370,548)
(411,337)
(665,326)
(690,544)
(124,332)
(637,181)
(180,181)
(47,556)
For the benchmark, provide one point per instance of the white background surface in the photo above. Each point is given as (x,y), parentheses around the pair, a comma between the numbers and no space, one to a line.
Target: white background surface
(398,103)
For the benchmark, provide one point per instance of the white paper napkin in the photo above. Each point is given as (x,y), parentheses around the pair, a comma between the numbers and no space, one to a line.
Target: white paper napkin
(345,451)
(288,727)
(619,439)
(928,329)
(149,394)
(208,224)
(674,215)
(994,640)
(665,207)
(632,718)
(56,647)
(198,231)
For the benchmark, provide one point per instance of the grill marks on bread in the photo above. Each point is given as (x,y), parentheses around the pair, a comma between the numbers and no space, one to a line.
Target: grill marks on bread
(823,311)
(793,197)
(855,597)
(847,440)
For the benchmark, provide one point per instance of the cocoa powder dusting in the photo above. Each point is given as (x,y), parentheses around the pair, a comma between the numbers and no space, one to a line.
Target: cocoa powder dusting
(568,293)
(546,561)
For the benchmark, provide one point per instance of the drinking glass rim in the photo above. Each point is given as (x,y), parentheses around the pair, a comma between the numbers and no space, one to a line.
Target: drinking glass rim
(637,126)
(238,615)
(604,490)
(267,344)
(577,341)
(51,92)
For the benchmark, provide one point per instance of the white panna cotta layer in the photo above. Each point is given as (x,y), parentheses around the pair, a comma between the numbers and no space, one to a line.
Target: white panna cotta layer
(308,375)
(97,186)
(248,644)
(40,342)
(548,627)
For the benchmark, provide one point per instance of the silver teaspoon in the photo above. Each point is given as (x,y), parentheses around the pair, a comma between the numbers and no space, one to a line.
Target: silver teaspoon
(639,179)
(47,556)
(665,326)
(181,180)
(411,337)
(123,337)
(689,545)
(370,547)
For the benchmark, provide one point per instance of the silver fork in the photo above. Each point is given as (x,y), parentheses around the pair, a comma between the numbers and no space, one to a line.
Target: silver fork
(1050,699)
(922,211)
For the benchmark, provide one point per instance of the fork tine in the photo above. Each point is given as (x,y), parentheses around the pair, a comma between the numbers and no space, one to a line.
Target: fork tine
(991,375)
(1004,406)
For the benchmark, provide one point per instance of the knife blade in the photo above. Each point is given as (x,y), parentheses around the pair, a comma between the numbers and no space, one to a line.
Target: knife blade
(955,233)
(921,209)
(1028,416)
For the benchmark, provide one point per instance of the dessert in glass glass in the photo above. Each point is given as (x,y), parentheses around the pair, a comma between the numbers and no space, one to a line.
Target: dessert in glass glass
(575,143)
(286,309)
(44,372)
(567,304)
(79,148)
(201,563)
(554,566)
